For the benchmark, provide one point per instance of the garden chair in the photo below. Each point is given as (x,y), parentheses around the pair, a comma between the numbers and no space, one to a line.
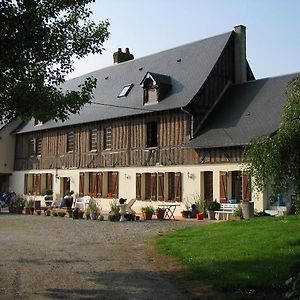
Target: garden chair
(82,202)
(128,208)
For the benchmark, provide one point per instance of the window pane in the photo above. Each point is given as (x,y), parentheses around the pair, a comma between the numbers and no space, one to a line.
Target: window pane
(125,91)
(70,141)
(107,138)
(151,134)
(93,139)
(39,146)
(31,147)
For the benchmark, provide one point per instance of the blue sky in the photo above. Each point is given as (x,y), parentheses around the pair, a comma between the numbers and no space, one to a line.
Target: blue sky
(148,27)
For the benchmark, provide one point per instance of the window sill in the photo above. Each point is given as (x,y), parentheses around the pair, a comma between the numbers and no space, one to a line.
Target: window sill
(93,151)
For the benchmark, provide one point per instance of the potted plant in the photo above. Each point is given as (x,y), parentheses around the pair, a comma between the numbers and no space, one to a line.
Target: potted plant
(87,213)
(194,211)
(80,214)
(147,212)
(29,207)
(19,203)
(238,213)
(186,213)
(160,213)
(54,213)
(61,213)
(197,207)
(212,206)
(76,213)
(93,209)
(47,212)
(114,214)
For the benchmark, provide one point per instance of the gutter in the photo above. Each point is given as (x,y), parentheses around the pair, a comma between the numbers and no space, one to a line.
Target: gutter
(191,120)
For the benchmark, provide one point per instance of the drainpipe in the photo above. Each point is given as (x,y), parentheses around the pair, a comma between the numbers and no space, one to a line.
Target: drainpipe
(191,120)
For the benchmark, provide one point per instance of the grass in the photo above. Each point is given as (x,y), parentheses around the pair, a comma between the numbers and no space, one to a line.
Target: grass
(248,258)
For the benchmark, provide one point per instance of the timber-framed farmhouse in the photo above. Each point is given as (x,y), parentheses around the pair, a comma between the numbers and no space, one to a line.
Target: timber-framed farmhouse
(160,128)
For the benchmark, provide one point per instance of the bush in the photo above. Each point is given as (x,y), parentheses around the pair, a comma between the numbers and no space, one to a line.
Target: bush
(238,212)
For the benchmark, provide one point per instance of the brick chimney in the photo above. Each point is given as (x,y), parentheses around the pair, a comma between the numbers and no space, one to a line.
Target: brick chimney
(240,54)
(120,56)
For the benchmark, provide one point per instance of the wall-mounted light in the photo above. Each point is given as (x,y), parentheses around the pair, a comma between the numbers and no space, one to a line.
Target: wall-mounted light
(190,175)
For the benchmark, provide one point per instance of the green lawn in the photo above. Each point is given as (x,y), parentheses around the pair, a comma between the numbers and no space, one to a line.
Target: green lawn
(250,257)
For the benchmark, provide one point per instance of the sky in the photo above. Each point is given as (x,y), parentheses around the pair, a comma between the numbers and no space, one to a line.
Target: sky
(148,27)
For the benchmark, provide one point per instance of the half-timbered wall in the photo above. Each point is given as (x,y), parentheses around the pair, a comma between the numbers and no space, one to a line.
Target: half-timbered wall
(128,145)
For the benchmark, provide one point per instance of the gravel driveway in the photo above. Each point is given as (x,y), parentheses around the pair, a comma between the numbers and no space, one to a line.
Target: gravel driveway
(60,258)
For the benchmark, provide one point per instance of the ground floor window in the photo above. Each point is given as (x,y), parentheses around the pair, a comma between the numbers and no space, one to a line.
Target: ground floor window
(38,184)
(159,186)
(99,184)
(235,185)
(208,185)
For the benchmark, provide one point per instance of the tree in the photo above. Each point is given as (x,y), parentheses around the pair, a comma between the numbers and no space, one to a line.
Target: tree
(275,160)
(39,40)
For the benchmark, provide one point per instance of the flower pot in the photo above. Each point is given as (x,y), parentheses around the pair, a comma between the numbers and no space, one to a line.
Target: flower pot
(147,215)
(93,216)
(200,216)
(248,210)
(160,214)
(80,214)
(211,215)
(38,212)
(185,214)
(76,214)
(19,209)
(27,210)
(70,212)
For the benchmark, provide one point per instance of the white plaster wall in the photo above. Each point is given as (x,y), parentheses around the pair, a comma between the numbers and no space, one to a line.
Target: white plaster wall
(127,182)
(7,147)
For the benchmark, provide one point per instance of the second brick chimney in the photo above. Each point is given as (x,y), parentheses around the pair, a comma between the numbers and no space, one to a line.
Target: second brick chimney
(240,54)
(120,56)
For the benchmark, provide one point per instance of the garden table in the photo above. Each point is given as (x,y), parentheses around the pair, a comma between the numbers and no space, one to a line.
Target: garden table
(170,209)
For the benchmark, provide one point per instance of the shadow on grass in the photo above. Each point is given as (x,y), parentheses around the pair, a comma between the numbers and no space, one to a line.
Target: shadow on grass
(252,279)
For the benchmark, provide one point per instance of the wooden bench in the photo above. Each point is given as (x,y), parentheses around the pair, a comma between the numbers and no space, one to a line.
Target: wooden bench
(226,209)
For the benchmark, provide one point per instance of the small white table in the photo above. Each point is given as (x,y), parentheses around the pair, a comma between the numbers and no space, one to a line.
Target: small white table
(170,209)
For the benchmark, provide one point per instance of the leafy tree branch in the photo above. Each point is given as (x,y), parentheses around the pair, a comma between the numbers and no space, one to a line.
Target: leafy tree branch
(39,40)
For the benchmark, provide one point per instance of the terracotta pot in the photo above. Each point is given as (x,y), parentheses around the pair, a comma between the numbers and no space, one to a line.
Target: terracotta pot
(160,214)
(185,214)
(19,210)
(147,215)
(211,215)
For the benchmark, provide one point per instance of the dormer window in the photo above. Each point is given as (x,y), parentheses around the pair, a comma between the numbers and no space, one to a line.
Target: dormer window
(37,122)
(156,87)
(150,91)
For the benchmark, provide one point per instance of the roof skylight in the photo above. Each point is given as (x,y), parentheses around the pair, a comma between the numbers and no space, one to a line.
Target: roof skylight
(125,91)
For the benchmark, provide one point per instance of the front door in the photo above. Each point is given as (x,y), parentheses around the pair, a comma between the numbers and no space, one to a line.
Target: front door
(4,183)
(64,185)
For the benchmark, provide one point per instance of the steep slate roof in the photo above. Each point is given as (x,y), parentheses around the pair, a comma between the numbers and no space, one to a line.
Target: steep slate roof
(246,111)
(188,67)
